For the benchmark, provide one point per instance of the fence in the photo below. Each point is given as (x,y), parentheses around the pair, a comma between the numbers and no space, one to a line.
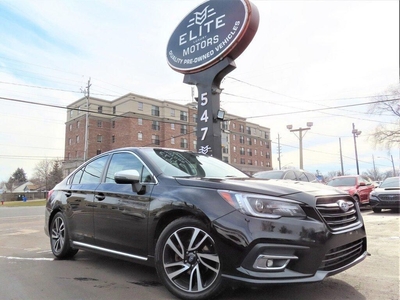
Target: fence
(18,196)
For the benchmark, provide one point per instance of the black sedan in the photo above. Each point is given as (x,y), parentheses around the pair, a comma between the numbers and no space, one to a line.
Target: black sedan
(386,195)
(202,223)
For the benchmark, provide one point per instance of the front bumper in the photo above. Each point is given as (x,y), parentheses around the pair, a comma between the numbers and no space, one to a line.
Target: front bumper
(287,250)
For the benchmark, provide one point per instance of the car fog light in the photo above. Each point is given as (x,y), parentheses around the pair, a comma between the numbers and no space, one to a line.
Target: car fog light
(272,262)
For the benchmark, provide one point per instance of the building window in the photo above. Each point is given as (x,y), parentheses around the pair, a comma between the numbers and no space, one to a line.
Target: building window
(113,124)
(98,152)
(114,110)
(248,141)
(194,144)
(140,105)
(155,125)
(172,126)
(224,125)
(69,141)
(71,113)
(183,116)
(172,140)
(100,109)
(172,112)
(242,139)
(249,152)
(155,111)
(248,130)
(184,143)
(194,118)
(155,139)
(78,124)
(234,137)
(113,139)
(241,128)
(225,150)
(99,124)
(70,127)
(267,155)
(183,129)
(242,151)
(225,159)
(99,138)
(242,161)
(140,136)
(140,121)
(77,139)
(249,162)
(255,152)
(234,125)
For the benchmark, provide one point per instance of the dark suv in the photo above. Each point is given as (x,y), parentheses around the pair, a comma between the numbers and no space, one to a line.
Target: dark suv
(201,222)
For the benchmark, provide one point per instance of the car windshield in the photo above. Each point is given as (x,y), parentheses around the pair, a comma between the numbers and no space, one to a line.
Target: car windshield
(391,182)
(183,164)
(269,175)
(345,181)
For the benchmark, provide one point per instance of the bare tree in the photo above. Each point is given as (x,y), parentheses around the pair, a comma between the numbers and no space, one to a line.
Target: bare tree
(388,106)
(41,173)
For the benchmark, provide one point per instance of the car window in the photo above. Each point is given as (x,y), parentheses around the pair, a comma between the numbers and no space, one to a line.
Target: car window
(91,173)
(391,182)
(290,175)
(177,163)
(343,181)
(302,176)
(120,162)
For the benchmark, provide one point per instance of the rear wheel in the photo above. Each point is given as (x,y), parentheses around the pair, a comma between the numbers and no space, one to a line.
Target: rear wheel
(59,238)
(187,261)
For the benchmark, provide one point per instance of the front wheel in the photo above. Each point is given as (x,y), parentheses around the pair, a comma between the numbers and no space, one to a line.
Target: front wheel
(376,210)
(59,238)
(187,261)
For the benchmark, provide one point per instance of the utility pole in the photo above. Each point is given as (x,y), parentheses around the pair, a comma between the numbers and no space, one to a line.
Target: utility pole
(356,133)
(341,156)
(279,151)
(300,137)
(87,94)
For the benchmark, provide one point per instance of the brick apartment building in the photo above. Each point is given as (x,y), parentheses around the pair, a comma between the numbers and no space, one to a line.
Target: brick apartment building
(135,120)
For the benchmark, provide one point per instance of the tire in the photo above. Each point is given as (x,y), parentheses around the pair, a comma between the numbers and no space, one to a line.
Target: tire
(357,199)
(376,210)
(187,260)
(59,238)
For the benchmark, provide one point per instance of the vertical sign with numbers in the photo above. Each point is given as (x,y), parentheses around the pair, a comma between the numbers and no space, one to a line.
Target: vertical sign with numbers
(206,41)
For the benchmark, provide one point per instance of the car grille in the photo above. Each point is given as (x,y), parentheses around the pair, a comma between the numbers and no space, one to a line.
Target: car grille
(341,256)
(389,197)
(336,217)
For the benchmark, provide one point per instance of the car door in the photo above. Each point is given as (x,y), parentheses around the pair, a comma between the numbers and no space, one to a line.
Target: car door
(79,197)
(364,188)
(120,214)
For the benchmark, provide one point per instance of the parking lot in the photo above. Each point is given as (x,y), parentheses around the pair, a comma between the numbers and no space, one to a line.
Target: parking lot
(28,270)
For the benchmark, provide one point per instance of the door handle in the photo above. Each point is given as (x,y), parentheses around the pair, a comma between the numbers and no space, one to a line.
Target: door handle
(100,197)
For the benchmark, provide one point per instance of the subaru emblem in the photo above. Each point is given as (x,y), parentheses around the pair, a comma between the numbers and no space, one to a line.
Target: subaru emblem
(343,205)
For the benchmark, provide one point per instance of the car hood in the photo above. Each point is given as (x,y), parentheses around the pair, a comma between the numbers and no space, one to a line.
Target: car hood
(388,190)
(297,190)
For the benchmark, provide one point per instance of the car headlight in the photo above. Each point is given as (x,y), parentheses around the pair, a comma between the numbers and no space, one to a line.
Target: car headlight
(262,206)
(373,196)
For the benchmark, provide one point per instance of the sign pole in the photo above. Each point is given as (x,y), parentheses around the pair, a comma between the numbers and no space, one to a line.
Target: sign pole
(208,123)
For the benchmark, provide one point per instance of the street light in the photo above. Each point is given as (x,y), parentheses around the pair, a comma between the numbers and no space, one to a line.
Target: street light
(356,133)
(300,137)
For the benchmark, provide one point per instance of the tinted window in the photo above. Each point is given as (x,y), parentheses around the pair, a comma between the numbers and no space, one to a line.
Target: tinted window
(122,161)
(92,171)
(269,175)
(344,181)
(302,176)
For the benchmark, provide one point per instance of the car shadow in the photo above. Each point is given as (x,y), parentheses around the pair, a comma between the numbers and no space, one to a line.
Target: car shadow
(132,274)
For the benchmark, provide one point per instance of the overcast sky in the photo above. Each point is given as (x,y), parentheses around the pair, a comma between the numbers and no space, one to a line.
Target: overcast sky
(310,61)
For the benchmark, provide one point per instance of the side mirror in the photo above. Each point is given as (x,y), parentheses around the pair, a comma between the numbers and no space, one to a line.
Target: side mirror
(362,184)
(127,177)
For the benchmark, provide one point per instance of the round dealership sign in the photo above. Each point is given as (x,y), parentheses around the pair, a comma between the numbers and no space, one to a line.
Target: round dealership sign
(212,31)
